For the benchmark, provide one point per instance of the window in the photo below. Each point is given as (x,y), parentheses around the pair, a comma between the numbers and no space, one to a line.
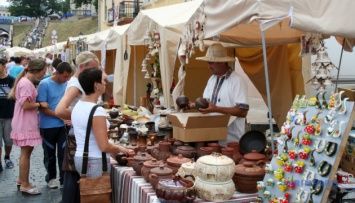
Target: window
(110,15)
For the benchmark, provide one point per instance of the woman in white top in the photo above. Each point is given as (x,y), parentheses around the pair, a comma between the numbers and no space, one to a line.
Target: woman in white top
(94,85)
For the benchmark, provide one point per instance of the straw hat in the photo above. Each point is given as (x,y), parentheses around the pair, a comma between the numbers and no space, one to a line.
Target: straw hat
(216,53)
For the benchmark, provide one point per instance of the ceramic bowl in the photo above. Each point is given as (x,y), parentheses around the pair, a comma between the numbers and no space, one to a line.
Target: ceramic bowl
(182,101)
(201,103)
(252,140)
(113,114)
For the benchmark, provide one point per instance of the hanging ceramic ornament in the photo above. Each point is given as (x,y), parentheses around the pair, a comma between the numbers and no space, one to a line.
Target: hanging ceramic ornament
(147,58)
(343,106)
(328,82)
(147,75)
(144,66)
(147,36)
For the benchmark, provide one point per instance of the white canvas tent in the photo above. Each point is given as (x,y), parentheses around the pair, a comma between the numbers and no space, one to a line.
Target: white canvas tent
(18,51)
(114,39)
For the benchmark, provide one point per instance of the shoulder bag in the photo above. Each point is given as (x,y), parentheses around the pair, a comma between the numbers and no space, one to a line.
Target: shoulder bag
(93,190)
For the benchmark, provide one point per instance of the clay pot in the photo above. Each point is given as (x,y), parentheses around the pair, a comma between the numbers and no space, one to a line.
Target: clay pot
(159,137)
(215,168)
(203,151)
(253,157)
(138,161)
(214,191)
(163,151)
(168,132)
(133,138)
(182,101)
(246,177)
(142,139)
(216,147)
(174,162)
(252,140)
(113,114)
(236,154)
(131,154)
(141,149)
(113,126)
(186,150)
(201,103)
(176,144)
(176,190)
(147,165)
(159,173)
(121,159)
(187,168)
(227,151)
(198,145)
(150,125)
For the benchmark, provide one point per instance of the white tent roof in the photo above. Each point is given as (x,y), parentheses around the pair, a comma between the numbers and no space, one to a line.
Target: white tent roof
(18,51)
(169,22)
(97,42)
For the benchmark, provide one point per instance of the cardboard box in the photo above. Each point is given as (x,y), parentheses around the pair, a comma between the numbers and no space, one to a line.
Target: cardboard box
(198,127)
(349,91)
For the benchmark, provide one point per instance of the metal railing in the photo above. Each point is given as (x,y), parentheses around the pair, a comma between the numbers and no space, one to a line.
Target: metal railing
(129,9)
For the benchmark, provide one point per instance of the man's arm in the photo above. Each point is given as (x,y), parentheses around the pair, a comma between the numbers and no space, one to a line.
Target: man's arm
(62,110)
(240,110)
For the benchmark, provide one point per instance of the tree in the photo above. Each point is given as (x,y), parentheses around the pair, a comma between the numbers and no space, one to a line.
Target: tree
(34,8)
(79,3)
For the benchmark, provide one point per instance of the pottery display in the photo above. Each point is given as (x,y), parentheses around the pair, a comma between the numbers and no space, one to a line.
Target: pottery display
(163,151)
(159,173)
(214,191)
(227,151)
(236,154)
(182,101)
(176,190)
(113,113)
(253,157)
(186,151)
(142,139)
(187,168)
(176,144)
(138,161)
(174,162)
(133,140)
(252,140)
(163,121)
(215,168)
(216,147)
(246,177)
(147,165)
(201,103)
(121,159)
(203,151)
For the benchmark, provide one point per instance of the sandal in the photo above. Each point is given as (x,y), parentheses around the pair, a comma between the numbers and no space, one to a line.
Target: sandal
(19,185)
(32,191)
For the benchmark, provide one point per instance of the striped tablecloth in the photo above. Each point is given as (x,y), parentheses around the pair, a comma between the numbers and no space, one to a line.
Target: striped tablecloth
(129,188)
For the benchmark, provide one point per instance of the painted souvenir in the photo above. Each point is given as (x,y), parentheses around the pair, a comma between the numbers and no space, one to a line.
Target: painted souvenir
(285,128)
(338,131)
(299,118)
(312,101)
(315,118)
(310,129)
(303,153)
(303,102)
(299,166)
(282,186)
(308,175)
(292,154)
(330,148)
(342,110)
(296,101)
(324,101)
(301,195)
(289,133)
(282,200)
(270,182)
(291,114)
(338,100)
(268,168)
(259,200)
(279,174)
(319,145)
(306,139)
(330,129)
(318,128)
(288,166)
(281,140)
(267,194)
(281,159)
(330,117)
(318,105)
(290,183)
(312,161)
(287,195)
(260,186)
(316,186)
(296,140)
(324,168)
(285,149)
(331,104)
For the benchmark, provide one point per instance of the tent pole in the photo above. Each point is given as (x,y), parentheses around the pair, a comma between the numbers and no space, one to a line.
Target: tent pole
(135,78)
(341,57)
(268,90)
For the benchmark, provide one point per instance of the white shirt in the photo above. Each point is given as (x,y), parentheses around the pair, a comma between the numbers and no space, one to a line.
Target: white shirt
(74,82)
(79,118)
(233,90)
(9,66)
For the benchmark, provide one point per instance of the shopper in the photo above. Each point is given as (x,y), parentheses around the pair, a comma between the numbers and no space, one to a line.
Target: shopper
(10,64)
(17,68)
(94,85)
(6,113)
(226,91)
(73,94)
(25,133)
(52,128)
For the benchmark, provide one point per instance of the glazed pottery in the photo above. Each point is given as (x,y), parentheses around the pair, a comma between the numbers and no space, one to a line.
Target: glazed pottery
(246,177)
(182,101)
(159,173)
(201,103)
(216,147)
(121,159)
(187,168)
(252,140)
(113,113)
(186,151)
(176,190)
(215,168)
(150,125)
(176,144)
(147,165)
(203,151)
(142,139)
(138,161)
(174,162)
(253,157)
(214,191)
(236,154)
(227,151)
(163,151)
(133,138)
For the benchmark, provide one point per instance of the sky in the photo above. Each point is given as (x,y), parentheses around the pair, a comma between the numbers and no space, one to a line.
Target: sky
(4,3)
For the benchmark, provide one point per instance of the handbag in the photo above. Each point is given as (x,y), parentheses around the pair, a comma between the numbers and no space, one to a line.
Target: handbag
(93,190)
(69,153)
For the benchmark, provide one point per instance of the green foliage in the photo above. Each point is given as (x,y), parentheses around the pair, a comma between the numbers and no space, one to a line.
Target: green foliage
(96,4)
(36,8)
(79,3)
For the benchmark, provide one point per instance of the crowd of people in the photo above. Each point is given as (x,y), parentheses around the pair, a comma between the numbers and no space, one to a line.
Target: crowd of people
(37,97)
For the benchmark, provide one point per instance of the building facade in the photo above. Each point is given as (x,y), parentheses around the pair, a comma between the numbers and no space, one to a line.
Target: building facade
(4,11)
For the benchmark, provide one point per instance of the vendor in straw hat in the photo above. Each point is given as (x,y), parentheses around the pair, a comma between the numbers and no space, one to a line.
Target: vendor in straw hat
(226,91)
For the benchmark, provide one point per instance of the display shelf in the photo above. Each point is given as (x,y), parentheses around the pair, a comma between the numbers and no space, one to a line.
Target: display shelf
(304,180)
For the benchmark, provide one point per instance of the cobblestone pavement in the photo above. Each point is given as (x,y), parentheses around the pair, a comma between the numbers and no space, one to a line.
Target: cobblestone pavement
(8,188)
